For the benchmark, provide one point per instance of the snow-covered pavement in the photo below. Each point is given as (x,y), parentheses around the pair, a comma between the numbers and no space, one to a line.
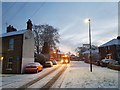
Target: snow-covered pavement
(78,75)
(17,80)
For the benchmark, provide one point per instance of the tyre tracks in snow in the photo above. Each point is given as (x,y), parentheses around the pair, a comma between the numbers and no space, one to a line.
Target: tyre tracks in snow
(54,79)
(45,81)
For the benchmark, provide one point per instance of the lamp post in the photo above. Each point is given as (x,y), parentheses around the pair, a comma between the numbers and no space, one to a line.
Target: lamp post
(89,27)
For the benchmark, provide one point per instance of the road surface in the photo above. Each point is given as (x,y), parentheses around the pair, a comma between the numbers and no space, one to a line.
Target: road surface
(73,75)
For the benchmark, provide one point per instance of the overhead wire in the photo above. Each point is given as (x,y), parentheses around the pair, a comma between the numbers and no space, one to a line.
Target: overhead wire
(8,9)
(37,10)
(18,11)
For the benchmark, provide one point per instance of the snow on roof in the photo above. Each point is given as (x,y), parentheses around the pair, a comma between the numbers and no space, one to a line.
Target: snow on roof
(93,51)
(13,33)
(112,42)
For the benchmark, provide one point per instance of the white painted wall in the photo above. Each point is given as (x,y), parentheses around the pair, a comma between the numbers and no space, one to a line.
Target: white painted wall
(28,49)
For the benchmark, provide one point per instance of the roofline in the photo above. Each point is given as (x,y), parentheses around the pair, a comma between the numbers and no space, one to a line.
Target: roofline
(107,45)
(14,33)
(11,35)
(103,45)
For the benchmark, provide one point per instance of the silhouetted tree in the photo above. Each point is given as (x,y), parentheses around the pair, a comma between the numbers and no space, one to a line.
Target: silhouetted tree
(46,48)
(45,34)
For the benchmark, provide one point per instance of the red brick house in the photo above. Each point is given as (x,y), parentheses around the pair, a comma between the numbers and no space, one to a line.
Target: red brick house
(111,49)
(17,49)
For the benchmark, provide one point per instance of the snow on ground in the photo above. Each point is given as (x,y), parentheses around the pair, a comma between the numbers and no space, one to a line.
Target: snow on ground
(43,81)
(17,80)
(78,75)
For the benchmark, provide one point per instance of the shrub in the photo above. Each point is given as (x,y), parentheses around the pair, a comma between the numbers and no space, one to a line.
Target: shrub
(40,58)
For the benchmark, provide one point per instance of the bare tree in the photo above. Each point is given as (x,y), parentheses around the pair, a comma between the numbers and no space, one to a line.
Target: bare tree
(45,34)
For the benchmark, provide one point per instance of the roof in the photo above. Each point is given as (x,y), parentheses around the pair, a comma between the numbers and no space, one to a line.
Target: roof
(112,42)
(13,33)
(93,51)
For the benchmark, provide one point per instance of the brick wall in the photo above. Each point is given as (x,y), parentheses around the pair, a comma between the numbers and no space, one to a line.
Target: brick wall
(16,53)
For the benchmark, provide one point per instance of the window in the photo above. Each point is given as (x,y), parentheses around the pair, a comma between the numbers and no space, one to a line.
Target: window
(10,63)
(118,54)
(11,44)
(108,47)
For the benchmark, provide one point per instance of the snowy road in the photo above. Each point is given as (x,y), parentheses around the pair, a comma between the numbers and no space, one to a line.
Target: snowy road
(48,81)
(78,75)
(19,80)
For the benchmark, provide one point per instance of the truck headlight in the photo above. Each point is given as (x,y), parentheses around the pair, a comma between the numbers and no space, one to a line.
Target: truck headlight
(61,61)
(66,61)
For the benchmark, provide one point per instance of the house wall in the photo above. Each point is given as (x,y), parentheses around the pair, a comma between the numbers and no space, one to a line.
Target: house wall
(118,53)
(113,52)
(16,53)
(94,56)
(104,51)
(28,49)
(0,55)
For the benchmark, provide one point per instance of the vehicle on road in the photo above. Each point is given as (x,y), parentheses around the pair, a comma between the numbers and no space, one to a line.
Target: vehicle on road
(65,59)
(54,62)
(48,64)
(33,67)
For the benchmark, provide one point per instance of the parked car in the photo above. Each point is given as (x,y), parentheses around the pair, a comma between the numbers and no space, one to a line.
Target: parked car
(98,62)
(105,62)
(33,67)
(54,62)
(114,62)
(48,64)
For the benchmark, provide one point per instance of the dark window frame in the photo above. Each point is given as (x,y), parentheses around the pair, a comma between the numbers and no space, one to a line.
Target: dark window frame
(10,63)
(11,44)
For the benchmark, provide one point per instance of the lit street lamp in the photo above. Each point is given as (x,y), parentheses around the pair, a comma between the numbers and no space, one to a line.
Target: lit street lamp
(89,27)
(54,52)
(1,58)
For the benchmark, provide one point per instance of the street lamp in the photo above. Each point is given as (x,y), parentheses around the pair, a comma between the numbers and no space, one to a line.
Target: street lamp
(1,58)
(89,27)
(54,52)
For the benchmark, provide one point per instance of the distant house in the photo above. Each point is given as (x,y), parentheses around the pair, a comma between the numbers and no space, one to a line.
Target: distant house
(56,54)
(17,49)
(111,49)
(94,55)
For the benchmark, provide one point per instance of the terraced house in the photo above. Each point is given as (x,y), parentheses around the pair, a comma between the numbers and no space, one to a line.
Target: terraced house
(111,49)
(17,49)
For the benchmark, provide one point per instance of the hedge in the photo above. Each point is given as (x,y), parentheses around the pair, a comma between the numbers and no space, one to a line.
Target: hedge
(114,67)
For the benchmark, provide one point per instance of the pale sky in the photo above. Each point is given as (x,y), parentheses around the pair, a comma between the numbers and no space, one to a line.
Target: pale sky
(68,17)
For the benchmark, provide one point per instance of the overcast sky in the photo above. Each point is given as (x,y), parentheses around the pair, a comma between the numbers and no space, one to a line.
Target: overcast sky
(68,17)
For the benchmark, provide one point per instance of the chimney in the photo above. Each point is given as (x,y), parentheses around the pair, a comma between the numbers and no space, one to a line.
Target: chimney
(29,25)
(11,29)
(118,37)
